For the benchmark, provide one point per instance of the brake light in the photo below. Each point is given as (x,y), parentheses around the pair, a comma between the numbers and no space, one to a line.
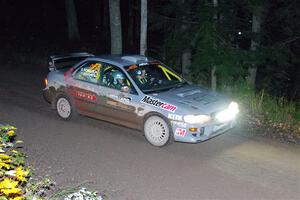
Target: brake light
(46,82)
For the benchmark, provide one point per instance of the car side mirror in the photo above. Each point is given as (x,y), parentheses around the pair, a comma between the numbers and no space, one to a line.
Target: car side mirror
(125,89)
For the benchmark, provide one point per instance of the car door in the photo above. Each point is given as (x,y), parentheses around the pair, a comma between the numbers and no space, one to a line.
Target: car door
(83,86)
(117,105)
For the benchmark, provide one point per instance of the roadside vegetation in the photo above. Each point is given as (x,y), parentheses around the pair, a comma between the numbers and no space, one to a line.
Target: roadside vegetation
(267,115)
(243,56)
(17,180)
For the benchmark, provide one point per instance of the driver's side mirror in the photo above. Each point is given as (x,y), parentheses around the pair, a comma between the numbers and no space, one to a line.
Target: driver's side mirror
(125,89)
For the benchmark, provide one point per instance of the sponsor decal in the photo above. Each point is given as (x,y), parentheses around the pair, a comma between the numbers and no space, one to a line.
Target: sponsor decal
(143,64)
(180,132)
(175,117)
(120,98)
(92,72)
(157,103)
(84,95)
(178,123)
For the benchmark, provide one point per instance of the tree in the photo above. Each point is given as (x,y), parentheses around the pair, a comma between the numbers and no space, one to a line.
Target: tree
(73,33)
(209,29)
(214,67)
(255,43)
(186,56)
(143,38)
(115,27)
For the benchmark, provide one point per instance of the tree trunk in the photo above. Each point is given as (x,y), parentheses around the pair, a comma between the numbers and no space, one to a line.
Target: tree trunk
(186,63)
(213,78)
(186,56)
(130,29)
(115,27)
(256,26)
(214,67)
(45,6)
(73,33)
(106,27)
(143,38)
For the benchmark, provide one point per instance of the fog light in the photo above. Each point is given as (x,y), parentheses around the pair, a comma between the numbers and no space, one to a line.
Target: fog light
(202,131)
(193,130)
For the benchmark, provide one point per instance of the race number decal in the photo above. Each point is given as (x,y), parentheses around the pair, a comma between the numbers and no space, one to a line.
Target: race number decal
(180,132)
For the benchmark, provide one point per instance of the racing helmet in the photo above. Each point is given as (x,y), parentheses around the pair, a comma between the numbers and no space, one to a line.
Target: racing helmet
(138,72)
(117,75)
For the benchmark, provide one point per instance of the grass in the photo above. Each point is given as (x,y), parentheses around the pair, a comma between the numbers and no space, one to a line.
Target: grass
(262,110)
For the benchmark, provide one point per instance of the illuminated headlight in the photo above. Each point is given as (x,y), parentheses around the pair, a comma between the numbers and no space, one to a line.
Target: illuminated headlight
(196,119)
(229,113)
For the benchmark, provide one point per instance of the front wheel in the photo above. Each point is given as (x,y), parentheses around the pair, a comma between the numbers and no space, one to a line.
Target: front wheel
(157,131)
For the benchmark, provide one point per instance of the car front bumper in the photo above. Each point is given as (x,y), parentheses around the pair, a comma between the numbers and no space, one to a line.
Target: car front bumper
(183,133)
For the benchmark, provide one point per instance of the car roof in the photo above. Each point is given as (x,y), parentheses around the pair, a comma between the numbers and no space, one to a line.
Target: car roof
(123,60)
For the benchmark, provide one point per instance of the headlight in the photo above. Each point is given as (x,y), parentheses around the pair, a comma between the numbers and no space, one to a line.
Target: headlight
(196,119)
(229,113)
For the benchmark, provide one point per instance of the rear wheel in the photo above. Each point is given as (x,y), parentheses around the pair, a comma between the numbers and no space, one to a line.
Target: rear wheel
(157,131)
(64,107)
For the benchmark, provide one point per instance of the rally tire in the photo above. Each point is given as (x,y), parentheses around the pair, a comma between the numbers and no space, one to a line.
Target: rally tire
(158,131)
(64,108)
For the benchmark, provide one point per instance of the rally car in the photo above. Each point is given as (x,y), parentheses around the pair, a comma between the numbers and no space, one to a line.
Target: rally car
(137,92)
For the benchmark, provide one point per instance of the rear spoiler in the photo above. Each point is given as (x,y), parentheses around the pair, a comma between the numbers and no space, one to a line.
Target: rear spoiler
(54,59)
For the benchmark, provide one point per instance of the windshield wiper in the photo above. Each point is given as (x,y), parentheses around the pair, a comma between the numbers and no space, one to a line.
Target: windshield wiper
(169,88)
(157,90)
(178,85)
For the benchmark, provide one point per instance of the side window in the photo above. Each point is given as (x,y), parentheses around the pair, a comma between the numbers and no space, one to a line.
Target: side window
(89,72)
(113,77)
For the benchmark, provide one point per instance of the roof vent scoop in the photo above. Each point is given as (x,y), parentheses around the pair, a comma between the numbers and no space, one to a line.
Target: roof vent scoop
(135,59)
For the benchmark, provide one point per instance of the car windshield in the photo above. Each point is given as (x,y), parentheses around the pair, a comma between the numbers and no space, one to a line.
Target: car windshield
(154,77)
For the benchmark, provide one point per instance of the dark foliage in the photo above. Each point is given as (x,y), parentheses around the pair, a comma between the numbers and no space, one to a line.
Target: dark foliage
(217,36)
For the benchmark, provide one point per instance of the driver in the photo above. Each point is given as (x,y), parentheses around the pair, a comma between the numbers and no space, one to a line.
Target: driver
(118,80)
(141,76)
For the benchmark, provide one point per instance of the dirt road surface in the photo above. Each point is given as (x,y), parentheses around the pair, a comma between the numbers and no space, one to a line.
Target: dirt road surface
(119,163)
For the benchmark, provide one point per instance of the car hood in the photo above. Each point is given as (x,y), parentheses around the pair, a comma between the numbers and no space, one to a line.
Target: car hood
(191,99)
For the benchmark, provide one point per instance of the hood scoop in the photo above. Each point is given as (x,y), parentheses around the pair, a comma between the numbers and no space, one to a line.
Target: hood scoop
(189,93)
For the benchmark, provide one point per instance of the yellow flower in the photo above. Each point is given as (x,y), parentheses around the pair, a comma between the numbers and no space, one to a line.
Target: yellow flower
(10,133)
(6,160)
(21,174)
(4,156)
(8,186)
(4,165)
(14,151)
(17,198)
(11,191)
